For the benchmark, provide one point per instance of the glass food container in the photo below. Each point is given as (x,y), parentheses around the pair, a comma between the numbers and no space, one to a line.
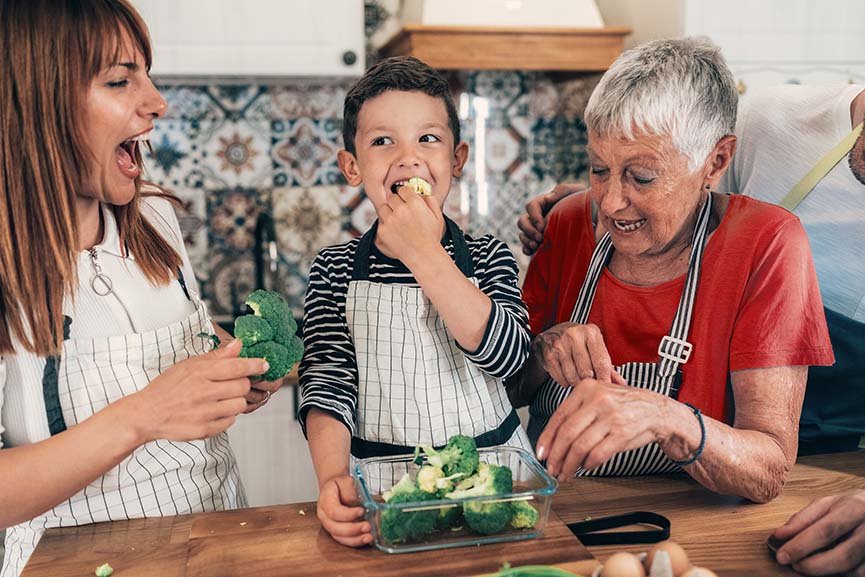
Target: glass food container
(531,483)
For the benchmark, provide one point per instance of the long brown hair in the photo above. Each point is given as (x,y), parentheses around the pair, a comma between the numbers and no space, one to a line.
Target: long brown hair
(50,50)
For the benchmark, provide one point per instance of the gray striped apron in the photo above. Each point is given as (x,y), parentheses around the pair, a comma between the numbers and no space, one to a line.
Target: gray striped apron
(160,477)
(662,377)
(415,385)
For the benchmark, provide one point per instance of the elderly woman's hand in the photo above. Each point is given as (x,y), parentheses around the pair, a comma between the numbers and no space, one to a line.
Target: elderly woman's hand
(597,421)
(571,352)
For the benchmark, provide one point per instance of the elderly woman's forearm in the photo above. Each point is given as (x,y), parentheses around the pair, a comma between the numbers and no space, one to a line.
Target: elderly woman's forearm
(750,464)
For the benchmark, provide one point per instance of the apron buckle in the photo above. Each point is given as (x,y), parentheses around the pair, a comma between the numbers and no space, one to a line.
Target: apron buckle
(675,350)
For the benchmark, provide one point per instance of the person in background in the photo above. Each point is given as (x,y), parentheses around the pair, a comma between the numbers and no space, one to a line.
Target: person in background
(410,330)
(784,135)
(659,305)
(109,407)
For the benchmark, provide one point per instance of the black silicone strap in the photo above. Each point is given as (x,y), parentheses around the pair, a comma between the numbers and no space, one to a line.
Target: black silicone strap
(588,532)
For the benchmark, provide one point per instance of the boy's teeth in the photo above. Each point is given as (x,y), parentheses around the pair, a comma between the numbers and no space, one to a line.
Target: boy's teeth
(629,226)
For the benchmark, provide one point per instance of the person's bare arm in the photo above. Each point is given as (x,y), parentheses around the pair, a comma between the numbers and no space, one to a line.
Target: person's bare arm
(194,399)
(753,457)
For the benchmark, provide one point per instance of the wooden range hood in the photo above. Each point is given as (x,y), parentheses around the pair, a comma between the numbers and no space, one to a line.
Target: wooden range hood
(501,48)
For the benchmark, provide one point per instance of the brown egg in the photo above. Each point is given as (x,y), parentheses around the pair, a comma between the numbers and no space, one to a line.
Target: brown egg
(678,558)
(698,572)
(623,565)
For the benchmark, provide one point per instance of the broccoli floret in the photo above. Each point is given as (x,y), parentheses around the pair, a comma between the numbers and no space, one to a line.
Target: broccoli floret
(252,329)
(275,354)
(403,526)
(523,515)
(449,518)
(272,307)
(104,570)
(295,350)
(486,517)
(428,477)
(460,455)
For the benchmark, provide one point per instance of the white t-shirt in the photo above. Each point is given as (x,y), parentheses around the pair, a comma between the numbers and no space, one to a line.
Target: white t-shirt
(783,133)
(134,306)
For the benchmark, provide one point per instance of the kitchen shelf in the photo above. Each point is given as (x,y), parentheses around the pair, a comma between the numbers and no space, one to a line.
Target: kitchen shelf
(499,48)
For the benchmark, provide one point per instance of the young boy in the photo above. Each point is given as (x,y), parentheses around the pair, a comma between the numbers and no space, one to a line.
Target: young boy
(410,330)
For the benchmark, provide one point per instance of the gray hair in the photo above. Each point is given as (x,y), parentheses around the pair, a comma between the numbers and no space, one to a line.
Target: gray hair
(681,88)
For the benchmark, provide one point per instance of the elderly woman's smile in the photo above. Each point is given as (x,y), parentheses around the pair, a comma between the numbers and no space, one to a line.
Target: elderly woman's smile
(645,194)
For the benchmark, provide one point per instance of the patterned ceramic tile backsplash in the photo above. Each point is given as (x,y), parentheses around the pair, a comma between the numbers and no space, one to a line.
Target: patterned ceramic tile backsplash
(232,152)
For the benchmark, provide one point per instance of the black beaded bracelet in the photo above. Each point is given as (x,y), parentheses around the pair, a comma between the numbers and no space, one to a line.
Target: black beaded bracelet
(699,451)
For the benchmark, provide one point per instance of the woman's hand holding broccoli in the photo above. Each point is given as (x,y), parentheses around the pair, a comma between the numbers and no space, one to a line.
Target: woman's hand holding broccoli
(196,398)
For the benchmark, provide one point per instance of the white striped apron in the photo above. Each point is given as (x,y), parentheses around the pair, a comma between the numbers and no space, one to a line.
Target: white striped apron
(160,477)
(415,386)
(662,377)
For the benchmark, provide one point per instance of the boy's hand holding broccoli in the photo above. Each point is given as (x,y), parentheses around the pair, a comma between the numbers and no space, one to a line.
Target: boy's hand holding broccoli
(410,226)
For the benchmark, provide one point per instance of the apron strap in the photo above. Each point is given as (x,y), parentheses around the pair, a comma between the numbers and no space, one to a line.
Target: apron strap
(462,257)
(50,392)
(802,188)
(363,449)
(673,349)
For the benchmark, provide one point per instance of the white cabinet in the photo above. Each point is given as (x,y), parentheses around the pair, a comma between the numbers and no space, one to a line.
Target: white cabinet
(765,43)
(255,38)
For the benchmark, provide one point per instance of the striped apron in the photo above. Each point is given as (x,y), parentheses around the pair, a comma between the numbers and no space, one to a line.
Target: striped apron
(160,477)
(415,385)
(663,376)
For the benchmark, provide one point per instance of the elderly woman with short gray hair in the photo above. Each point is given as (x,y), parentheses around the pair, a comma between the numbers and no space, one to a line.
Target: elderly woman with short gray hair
(674,325)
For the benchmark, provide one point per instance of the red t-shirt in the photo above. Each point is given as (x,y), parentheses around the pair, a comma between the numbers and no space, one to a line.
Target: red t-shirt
(758,304)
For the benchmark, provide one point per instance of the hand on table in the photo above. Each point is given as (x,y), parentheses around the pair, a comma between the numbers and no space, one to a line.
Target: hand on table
(827,537)
(339,513)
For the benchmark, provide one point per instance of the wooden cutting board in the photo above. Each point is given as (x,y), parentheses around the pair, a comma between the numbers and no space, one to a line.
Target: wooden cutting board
(274,541)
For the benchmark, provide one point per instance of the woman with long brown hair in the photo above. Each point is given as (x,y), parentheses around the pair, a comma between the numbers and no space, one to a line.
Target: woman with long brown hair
(107,411)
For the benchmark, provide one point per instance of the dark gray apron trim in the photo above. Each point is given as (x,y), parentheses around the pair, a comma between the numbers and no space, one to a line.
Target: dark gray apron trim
(363,449)
(50,393)
(462,257)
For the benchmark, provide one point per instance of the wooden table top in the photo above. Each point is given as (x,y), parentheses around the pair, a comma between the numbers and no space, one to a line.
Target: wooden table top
(725,534)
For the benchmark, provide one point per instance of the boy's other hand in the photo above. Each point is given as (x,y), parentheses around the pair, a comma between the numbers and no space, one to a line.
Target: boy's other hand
(410,226)
(533,222)
(339,514)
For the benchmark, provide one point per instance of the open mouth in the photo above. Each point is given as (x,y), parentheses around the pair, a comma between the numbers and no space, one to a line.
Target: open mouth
(629,225)
(125,155)
(417,184)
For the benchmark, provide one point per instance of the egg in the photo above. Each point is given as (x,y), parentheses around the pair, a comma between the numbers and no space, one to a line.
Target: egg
(699,572)
(623,565)
(678,558)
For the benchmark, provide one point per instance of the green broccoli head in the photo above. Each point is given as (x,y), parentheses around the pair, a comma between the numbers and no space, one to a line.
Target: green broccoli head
(449,518)
(252,329)
(275,310)
(523,515)
(486,517)
(295,350)
(399,526)
(275,354)
(460,455)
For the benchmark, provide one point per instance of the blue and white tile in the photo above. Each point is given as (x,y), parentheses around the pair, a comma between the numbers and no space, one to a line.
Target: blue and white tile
(361,213)
(232,214)
(235,99)
(232,278)
(500,88)
(238,155)
(192,104)
(316,101)
(308,219)
(304,152)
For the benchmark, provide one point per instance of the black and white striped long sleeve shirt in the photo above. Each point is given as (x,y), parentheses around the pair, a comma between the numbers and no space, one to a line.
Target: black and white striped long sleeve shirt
(328,371)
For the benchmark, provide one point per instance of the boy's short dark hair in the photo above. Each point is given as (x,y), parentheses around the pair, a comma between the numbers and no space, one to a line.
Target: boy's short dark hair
(403,73)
